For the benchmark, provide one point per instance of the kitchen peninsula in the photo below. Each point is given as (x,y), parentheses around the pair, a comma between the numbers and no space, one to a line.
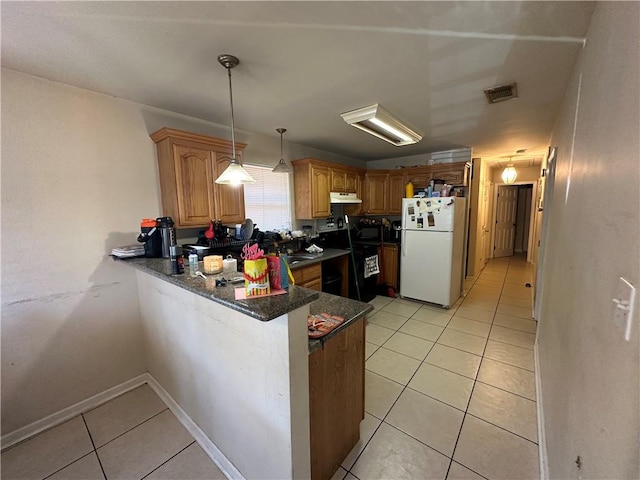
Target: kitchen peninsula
(246,374)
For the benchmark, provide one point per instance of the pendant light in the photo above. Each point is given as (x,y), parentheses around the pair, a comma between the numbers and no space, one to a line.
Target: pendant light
(234,173)
(282,166)
(509,174)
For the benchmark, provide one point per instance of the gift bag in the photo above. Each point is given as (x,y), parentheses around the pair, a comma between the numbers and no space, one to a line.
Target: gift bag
(278,275)
(256,277)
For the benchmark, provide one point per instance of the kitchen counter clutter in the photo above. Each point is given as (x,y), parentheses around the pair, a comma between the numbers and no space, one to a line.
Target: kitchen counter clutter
(262,308)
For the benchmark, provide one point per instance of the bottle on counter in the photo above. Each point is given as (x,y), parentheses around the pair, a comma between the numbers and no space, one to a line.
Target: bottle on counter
(177,262)
(408,190)
(193,264)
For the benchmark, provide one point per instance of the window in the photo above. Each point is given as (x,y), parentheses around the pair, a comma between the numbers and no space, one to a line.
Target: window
(267,201)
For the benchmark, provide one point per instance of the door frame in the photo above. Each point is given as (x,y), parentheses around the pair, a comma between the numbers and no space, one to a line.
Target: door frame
(532,218)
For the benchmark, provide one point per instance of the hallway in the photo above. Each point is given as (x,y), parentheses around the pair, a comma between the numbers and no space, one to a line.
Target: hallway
(452,385)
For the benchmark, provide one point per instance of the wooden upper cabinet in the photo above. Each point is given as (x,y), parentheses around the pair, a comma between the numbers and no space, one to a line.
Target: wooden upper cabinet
(343,181)
(320,201)
(456,174)
(312,180)
(338,181)
(419,176)
(376,193)
(194,192)
(395,192)
(229,199)
(188,164)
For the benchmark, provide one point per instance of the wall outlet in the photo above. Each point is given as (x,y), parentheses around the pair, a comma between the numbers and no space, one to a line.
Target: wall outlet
(623,307)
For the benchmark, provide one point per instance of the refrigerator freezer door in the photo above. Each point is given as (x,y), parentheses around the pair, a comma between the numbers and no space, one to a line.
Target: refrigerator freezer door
(428,214)
(425,270)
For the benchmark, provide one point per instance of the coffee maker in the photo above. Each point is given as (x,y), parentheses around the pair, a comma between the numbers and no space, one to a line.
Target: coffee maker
(151,237)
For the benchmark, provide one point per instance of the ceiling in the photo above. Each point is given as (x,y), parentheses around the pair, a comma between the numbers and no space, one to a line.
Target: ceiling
(302,64)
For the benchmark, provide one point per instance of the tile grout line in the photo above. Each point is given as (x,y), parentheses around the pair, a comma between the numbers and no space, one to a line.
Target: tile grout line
(134,427)
(104,474)
(168,460)
(475,380)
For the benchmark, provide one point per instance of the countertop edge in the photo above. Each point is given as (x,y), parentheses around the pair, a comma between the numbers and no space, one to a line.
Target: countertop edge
(263,309)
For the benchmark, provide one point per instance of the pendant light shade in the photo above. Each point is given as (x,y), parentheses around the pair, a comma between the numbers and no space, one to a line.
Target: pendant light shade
(509,174)
(282,166)
(234,173)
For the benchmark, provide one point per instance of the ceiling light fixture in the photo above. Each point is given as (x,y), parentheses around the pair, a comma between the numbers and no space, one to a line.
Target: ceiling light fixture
(234,174)
(509,174)
(378,122)
(282,166)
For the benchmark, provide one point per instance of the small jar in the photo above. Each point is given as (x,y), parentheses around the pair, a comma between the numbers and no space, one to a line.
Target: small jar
(212,264)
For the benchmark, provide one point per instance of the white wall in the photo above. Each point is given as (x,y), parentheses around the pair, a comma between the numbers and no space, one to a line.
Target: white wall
(589,373)
(78,174)
(244,382)
(79,171)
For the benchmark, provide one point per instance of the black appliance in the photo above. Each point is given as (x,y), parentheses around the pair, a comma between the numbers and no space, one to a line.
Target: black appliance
(331,279)
(151,237)
(362,249)
(395,234)
(367,286)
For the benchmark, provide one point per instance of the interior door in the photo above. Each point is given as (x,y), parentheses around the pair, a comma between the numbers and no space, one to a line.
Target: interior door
(487,211)
(505,221)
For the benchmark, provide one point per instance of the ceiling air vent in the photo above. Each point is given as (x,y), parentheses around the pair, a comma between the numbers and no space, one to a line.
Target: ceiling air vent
(501,93)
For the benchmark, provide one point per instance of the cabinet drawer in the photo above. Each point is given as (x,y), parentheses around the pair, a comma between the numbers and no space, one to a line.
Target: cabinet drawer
(307,274)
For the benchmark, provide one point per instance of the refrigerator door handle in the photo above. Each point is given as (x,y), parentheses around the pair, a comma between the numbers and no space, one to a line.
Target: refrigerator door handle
(404,240)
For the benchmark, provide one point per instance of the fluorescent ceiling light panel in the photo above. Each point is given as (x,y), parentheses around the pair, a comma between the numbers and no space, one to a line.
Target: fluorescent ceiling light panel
(378,122)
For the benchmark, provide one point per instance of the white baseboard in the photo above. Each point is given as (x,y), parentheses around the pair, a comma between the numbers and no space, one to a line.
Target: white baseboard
(542,439)
(68,413)
(207,445)
(84,406)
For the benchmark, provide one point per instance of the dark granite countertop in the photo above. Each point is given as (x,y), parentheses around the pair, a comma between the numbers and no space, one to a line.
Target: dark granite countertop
(263,309)
(351,310)
(327,254)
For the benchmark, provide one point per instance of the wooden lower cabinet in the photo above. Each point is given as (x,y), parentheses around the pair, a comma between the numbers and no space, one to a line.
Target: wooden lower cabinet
(336,399)
(309,277)
(389,263)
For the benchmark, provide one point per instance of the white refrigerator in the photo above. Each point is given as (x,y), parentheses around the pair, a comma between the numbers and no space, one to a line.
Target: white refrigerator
(432,249)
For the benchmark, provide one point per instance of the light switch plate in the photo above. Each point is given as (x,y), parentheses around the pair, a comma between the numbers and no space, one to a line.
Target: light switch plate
(623,307)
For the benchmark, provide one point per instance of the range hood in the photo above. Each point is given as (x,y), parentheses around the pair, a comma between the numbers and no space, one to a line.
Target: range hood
(338,197)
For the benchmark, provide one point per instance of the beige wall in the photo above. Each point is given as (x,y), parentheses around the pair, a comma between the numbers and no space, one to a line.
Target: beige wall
(78,173)
(589,373)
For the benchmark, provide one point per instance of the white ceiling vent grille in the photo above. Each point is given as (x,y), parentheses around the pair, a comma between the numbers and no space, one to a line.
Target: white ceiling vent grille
(501,93)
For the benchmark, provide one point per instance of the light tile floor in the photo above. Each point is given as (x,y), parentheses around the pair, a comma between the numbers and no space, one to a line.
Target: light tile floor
(449,394)
(134,436)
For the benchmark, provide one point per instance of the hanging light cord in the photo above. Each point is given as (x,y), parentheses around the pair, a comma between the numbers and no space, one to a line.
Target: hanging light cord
(233,137)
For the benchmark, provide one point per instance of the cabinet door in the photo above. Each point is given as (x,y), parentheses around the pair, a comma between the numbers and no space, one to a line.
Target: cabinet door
(320,203)
(229,198)
(357,209)
(338,181)
(194,190)
(396,193)
(376,193)
(419,176)
(455,174)
(314,284)
(390,265)
(351,182)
